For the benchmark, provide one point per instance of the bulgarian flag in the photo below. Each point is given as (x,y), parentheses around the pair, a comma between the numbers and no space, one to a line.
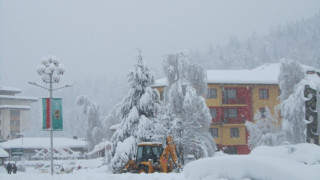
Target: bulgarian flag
(56,114)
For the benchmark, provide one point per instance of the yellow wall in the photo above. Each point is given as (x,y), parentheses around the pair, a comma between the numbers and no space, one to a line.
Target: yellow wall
(217,101)
(271,103)
(224,134)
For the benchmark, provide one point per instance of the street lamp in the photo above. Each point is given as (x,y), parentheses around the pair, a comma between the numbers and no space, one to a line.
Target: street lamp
(50,71)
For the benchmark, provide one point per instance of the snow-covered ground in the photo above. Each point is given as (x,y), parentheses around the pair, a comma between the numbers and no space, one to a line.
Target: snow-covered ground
(292,162)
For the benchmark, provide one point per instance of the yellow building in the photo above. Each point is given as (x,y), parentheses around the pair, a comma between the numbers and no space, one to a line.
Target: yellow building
(234,97)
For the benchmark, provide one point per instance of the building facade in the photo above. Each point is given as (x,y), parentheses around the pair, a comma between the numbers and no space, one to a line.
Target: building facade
(231,105)
(14,112)
(236,96)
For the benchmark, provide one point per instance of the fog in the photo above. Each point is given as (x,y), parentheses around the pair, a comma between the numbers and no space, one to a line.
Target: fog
(99,38)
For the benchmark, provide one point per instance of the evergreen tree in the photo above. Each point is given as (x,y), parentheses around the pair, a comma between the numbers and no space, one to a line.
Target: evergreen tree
(137,111)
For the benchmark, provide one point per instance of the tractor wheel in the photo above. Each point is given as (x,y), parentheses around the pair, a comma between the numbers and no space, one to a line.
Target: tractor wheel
(143,169)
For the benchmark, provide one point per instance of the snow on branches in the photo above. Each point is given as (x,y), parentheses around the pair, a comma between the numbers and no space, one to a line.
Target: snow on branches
(185,115)
(94,132)
(264,131)
(136,112)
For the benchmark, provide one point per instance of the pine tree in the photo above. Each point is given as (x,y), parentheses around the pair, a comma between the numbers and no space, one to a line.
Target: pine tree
(137,111)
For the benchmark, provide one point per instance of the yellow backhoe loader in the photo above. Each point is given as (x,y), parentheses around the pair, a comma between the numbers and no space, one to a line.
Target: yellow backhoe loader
(151,157)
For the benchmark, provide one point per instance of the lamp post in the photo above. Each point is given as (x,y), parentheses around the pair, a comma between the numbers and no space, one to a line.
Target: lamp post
(50,71)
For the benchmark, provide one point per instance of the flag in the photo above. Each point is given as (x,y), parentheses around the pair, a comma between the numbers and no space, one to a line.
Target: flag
(57,121)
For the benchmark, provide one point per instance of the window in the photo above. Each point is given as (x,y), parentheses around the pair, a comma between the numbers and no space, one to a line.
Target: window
(262,112)
(213,113)
(161,95)
(231,113)
(14,122)
(229,96)
(231,93)
(234,132)
(279,92)
(140,153)
(263,93)
(14,114)
(230,150)
(214,132)
(212,93)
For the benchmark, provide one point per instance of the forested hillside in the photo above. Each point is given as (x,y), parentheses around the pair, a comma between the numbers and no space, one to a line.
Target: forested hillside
(296,40)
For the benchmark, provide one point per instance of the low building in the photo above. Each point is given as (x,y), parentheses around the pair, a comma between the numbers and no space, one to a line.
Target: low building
(14,112)
(38,147)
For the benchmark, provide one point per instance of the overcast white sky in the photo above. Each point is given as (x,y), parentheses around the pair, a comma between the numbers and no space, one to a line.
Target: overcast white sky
(98,38)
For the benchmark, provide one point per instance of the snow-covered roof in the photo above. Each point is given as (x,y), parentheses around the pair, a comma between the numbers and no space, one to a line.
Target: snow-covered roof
(3,153)
(18,98)
(14,107)
(265,74)
(42,142)
(160,82)
(9,89)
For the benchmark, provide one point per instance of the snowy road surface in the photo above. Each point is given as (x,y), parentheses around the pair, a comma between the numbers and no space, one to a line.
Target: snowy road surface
(91,176)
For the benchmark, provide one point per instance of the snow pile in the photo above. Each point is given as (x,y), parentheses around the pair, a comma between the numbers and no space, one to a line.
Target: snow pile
(303,153)
(251,167)
(282,162)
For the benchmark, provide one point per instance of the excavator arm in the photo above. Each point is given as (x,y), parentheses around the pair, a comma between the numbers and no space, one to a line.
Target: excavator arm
(169,151)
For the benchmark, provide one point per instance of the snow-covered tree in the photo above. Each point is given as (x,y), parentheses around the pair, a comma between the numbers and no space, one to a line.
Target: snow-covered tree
(264,131)
(113,118)
(294,123)
(185,115)
(94,132)
(136,111)
(291,73)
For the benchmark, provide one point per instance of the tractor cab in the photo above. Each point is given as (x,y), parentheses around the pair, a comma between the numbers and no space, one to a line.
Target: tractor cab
(149,151)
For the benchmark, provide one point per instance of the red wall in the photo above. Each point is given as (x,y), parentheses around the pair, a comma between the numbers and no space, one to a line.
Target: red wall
(244,112)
